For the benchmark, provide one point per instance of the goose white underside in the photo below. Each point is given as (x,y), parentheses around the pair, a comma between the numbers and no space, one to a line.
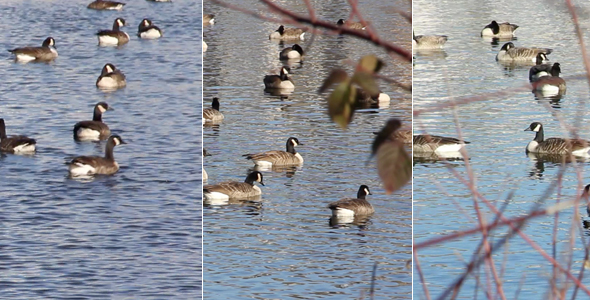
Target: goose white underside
(24,148)
(204,46)
(293,55)
(78,169)
(108,82)
(25,57)
(549,90)
(150,34)
(342,212)
(87,134)
(448,148)
(287,84)
(582,152)
(263,164)
(488,32)
(107,40)
(118,7)
(215,196)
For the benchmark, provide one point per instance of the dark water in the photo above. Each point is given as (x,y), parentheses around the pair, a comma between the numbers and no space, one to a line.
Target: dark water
(495,127)
(282,246)
(136,234)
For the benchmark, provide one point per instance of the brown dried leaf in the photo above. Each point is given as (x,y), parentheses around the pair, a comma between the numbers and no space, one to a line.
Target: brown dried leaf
(394,165)
(341,104)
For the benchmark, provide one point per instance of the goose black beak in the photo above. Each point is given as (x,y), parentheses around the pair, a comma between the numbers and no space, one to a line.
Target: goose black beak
(262,183)
(528,129)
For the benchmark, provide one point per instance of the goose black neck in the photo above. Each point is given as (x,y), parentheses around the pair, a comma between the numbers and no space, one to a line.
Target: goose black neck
(361,194)
(2,130)
(215,104)
(539,136)
(116,26)
(250,180)
(97,115)
(291,147)
(108,152)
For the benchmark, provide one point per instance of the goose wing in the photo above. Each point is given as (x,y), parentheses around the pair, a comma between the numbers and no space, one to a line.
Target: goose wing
(274,156)
(431,39)
(9,143)
(211,114)
(359,206)
(93,125)
(520,52)
(232,189)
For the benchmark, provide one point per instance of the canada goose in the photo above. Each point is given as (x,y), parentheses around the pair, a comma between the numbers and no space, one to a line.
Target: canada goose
(502,30)
(234,189)
(147,30)
(15,143)
(351,25)
(208,19)
(277,157)
(205,175)
(90,165)
(111,77)
(576,147)
(364,97)
(46,52)
(281,81)
(550,84)
(539,69)
(93,130)
(348,207)
(428,41)
(115,36)
(287,34)
(436,144)
(212,114)
(106,5)
(293,52)
(510,53)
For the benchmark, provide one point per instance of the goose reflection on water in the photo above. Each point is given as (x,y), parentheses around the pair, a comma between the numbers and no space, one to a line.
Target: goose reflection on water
(554,160)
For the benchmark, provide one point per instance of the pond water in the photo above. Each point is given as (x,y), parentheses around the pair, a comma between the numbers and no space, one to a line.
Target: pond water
(494,126)
(282,245)
(136,234)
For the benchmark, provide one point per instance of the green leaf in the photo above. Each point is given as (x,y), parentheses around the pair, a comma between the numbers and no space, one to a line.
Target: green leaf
(394,165)
(341,104)
(336,76)
(370,63)
(367,82)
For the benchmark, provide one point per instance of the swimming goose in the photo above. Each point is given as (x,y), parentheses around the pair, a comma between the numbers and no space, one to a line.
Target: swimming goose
(351,25)
(576,147)
(106,5)
(539,69)
(94,130)
(90,165)
(550,84)
(502,30)
(436,144)
(212,114)
(234,189)
(147,30)
(15,143)
(363,97)
(349,207)
(281,81)
(277,157)
(115,36)
(510,53)
(428,41)
(111,77)
(208,19)
(585,195)
(293,52)
(46,52)
(287,34)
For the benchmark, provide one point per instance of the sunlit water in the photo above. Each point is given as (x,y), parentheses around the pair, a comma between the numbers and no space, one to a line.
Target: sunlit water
(282,245)
(494,127)
(133,235)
